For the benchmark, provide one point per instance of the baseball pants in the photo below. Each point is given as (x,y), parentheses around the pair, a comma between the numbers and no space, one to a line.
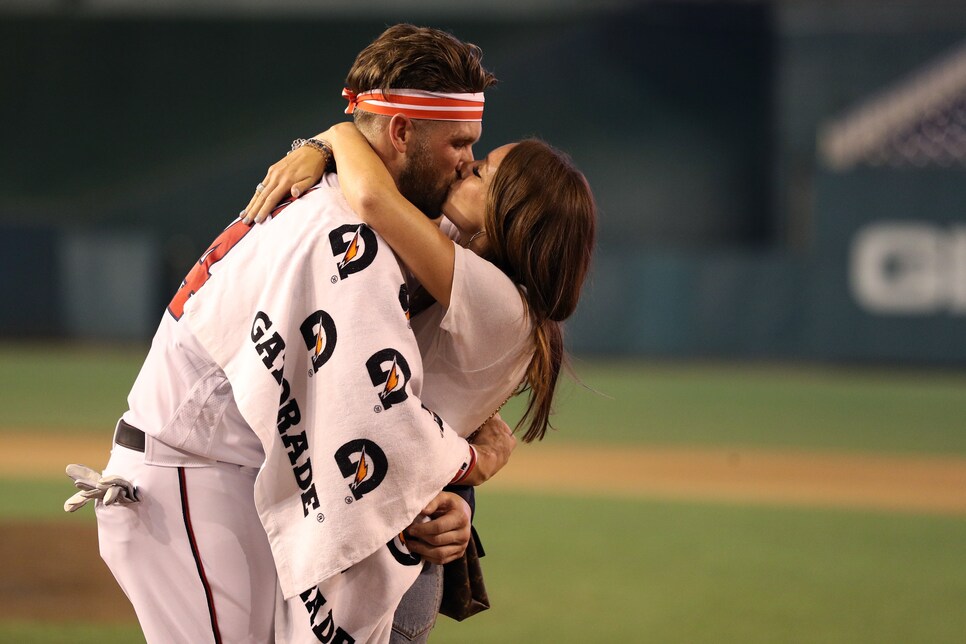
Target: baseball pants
(191,556)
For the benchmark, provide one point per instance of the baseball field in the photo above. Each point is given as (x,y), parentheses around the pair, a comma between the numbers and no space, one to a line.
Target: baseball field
(678,502)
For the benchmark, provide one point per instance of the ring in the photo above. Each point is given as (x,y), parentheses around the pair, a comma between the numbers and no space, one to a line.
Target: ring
(259,187)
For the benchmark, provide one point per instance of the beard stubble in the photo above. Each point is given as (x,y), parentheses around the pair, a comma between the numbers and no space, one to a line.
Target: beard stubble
(423,184)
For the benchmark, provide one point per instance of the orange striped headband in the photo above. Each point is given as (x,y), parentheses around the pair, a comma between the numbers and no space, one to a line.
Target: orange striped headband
(417,104)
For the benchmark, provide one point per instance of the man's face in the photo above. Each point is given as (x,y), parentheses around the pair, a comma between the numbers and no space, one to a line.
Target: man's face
(439,150)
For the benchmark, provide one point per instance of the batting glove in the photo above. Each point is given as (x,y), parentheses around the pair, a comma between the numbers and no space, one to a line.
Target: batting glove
(109,489)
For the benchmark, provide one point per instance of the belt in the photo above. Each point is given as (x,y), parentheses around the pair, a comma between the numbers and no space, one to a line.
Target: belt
(129,436)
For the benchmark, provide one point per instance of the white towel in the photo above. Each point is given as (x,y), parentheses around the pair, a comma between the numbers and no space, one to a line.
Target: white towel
(306,316)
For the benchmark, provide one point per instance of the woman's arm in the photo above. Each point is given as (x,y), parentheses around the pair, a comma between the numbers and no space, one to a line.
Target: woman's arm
(372,194)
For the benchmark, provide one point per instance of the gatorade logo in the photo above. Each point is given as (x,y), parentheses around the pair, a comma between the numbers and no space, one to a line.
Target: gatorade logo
(400,552)
(404,299)
(318,332)
(364,464)
(389,371)
(355,247)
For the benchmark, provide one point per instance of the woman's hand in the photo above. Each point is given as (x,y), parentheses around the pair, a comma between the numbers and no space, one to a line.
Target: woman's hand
(295,173)
(494,442)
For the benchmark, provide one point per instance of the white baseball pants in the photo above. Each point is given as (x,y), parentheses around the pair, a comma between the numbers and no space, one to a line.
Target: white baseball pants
(192,556)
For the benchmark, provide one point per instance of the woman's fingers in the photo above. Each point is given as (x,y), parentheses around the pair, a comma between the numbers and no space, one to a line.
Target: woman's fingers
(292,175)
(252,204)
(272,198)
(258,199)
(302,185)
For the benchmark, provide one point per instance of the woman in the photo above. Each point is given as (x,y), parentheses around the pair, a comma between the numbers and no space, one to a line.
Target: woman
(524,219)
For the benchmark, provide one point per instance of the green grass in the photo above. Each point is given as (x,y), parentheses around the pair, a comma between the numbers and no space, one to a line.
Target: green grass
(84,389)
(578,570)
(563,570)
(65,387)
(763,406)
(34,633)
(38,499)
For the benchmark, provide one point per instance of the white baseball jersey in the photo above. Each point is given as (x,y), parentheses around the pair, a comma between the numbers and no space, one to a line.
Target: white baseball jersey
(288,347)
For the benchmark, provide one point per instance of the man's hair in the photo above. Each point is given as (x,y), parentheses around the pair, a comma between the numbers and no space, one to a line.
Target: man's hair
(409,57)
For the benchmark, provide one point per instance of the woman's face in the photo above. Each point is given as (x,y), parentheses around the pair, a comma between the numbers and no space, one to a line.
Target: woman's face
(466,202)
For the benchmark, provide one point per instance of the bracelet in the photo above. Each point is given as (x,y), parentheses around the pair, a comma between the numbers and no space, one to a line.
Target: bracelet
(318,144)
(466,468)
(321,146)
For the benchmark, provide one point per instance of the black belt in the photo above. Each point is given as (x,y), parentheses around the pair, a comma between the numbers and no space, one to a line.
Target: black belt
(128,436)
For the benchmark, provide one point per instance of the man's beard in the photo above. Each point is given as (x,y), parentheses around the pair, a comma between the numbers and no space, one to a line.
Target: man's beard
(421,184)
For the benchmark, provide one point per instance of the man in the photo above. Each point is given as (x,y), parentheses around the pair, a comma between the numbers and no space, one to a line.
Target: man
(425,183)
(275,433)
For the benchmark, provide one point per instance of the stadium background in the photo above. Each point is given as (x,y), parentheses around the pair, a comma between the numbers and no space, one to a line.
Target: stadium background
(781,274)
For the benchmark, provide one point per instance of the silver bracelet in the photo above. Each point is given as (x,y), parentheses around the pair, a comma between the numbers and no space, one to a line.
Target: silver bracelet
(323,148)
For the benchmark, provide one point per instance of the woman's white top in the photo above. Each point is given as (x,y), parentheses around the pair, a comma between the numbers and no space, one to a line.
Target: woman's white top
(476,352)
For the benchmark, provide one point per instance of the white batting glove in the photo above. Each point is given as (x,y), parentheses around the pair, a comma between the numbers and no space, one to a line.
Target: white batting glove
(109,489)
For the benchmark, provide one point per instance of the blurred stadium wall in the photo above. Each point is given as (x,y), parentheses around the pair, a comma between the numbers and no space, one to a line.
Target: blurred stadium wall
(776,179)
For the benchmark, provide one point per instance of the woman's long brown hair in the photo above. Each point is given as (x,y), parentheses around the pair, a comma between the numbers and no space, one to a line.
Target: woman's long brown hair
(541,223)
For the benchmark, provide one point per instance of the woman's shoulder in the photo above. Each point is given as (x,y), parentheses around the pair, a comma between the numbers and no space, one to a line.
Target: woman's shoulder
(486,321)
(480,286)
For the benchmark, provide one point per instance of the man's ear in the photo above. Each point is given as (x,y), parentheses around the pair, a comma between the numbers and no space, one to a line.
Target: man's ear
(400,132)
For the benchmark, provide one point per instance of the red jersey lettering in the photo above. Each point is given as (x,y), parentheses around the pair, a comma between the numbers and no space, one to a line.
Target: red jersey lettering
(201,271)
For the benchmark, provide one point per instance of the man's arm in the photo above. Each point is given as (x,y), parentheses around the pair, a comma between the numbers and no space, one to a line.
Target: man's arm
(445,536)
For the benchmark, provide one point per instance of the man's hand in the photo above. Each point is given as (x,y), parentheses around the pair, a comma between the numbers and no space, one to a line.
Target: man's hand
(494,442)
(444,537)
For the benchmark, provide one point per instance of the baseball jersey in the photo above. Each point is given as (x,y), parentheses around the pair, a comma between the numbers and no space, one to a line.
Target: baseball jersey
(288,346)
(183,398)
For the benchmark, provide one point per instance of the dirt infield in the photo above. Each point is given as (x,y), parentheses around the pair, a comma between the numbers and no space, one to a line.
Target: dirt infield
(55,563)
(51,571)
(901,483)
(896,483)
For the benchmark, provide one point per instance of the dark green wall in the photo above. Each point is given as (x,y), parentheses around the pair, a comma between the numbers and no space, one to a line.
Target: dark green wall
(720,233)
